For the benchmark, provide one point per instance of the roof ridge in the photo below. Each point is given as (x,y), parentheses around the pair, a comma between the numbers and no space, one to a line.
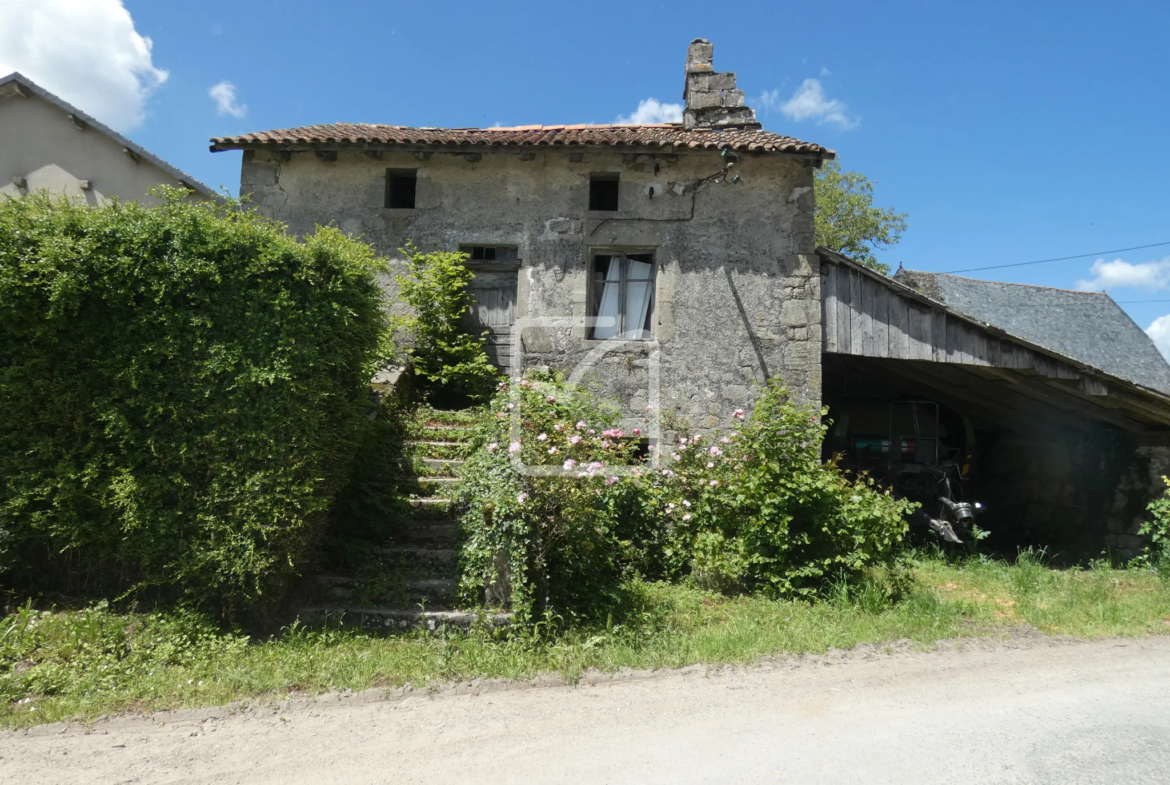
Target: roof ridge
(1008,283)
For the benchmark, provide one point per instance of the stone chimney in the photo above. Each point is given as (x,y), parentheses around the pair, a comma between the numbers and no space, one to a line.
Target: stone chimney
(712,99)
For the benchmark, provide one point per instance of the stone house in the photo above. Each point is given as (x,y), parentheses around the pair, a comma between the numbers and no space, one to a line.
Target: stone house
(46,143)
(675,266)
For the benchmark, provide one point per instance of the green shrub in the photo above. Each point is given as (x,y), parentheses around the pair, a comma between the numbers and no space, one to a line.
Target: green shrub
(1157,530)
(181,391)
(563,541)
(756,510)
(449,363)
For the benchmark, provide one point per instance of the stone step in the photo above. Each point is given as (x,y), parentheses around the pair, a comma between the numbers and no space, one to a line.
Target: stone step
(442,531)
(443,463)
(464,417)
(400,618)
(432,587)
(433,487)
(438,449)
(435,467)
(430,501)
(417,588)
(419,553)
(448,433)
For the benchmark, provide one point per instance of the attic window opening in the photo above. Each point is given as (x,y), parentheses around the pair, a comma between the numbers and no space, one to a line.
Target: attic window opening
(496,254)
(603,191)
(621,296)
(400,188)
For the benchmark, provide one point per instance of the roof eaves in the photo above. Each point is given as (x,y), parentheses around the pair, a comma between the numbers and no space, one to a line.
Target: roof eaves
(671,136)
(26,83)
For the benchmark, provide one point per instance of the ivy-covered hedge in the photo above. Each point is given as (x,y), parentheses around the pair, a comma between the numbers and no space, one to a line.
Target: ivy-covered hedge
(181,391)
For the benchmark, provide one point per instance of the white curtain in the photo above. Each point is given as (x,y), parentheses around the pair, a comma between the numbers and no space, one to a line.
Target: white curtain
(607,312)
(637,297)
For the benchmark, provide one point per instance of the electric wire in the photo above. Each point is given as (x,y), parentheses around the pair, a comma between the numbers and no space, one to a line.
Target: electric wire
(1056,259)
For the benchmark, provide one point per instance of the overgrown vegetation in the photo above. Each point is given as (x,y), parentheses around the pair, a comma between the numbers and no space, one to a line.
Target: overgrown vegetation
(756,510)
(83,664)
(182,389)
(564,534)
(846,220)
(752,511)
(1157,531)
(449,363)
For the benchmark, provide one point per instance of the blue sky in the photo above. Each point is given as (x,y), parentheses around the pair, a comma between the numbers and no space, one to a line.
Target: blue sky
(1009,131)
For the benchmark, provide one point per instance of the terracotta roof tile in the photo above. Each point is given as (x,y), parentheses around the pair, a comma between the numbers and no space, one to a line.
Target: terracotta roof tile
(754,140)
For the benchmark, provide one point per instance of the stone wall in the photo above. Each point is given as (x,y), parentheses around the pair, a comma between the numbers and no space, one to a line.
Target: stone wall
(1139,484)
(1075,492)
(737,289)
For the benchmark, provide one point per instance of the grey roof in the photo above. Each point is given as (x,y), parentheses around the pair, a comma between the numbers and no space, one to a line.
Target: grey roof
(1086,326)
(10,83)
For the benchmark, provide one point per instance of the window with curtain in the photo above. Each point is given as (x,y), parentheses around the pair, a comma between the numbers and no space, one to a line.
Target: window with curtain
(621,301)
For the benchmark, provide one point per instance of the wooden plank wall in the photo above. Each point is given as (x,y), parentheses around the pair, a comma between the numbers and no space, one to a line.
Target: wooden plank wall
(865,317)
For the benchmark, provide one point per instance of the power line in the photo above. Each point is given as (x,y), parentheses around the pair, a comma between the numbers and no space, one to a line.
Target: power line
(1130,302)
(1057,259)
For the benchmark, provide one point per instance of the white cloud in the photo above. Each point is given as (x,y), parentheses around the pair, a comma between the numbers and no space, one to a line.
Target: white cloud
(85,51)
(1160,332)
(809,103)
(226,101)
(825,71)
(651,111)
(1119,273)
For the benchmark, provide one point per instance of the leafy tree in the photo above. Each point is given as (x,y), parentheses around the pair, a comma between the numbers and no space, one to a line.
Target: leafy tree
(847,221)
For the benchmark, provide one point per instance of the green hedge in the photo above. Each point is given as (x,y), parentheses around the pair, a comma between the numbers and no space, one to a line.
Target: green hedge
(181,391)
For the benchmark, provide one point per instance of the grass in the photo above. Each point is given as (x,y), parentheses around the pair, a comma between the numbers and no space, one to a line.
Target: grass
(83,664)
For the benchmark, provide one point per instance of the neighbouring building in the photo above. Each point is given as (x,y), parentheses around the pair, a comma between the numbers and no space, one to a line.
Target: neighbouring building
(676,264)
(45,143)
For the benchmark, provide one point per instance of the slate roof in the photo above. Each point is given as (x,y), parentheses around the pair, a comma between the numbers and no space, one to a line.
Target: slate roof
(668,135)
(17,83)
(1085,326)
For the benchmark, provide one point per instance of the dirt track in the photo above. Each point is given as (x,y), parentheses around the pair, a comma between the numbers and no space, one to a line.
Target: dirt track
(1032,710)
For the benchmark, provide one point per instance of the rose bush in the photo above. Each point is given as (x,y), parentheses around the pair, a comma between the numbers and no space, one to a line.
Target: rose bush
(750,510)
(756,509)
(563,533)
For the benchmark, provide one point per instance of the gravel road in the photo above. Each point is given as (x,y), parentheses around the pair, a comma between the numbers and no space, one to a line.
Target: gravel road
(1030,710)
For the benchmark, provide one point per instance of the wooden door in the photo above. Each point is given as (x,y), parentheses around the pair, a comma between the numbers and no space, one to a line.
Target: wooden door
(493,308)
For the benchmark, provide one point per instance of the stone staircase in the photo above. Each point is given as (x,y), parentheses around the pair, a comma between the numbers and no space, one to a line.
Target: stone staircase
(412,580)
